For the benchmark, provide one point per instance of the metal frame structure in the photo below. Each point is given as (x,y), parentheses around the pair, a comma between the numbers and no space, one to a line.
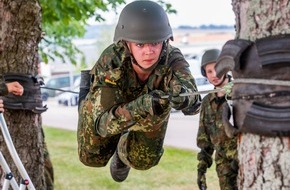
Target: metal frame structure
(9,179)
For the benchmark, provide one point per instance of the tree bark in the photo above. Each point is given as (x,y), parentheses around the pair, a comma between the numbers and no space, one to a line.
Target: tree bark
(264,161)
(20,33)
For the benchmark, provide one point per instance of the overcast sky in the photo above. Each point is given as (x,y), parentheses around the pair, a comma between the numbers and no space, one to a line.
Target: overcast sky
(194,13)
(198,12)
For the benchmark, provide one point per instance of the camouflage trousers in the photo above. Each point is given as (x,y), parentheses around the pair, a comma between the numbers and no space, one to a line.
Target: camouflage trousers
(138,149)
(227,174)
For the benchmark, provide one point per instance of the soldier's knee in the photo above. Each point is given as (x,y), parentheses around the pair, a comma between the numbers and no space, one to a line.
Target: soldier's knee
(93,160)
(145,164)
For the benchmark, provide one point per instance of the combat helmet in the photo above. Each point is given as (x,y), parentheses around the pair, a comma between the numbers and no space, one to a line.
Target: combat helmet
(209,56)
(143,22)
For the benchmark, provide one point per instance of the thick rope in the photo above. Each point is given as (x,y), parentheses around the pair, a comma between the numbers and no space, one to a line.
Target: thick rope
(261,81)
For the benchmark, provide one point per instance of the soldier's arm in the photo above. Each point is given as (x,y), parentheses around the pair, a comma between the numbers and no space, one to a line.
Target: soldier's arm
(112,117)
(204,143)
(112,114)
(182,75)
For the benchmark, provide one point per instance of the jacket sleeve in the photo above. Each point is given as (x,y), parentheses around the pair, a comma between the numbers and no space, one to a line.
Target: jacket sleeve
(181,72)
(204,143)
(111,117)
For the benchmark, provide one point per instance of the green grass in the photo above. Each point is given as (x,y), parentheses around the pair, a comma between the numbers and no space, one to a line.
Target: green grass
(175,171)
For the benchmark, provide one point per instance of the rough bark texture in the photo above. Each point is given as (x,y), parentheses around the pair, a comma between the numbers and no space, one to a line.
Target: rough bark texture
(20,32)
(264,161)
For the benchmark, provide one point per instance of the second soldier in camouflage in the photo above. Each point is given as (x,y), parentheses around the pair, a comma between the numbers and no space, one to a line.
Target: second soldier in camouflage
(211,134)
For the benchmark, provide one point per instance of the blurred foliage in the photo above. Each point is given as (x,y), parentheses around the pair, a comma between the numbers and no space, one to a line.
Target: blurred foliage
(167,7)
(65,20)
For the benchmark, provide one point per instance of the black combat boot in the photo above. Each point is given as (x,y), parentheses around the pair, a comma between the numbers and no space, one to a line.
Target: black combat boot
(119,170)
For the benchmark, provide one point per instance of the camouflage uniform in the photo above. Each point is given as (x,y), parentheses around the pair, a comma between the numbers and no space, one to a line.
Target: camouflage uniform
(211,136)
(139,137)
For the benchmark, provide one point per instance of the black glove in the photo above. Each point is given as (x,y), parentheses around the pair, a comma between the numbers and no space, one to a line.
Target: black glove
(235,165)
(158,104)
(194,109)
(176,101)
(201,180)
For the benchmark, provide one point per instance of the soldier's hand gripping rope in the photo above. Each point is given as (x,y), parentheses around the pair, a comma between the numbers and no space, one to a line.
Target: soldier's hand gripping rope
(176,101)
(227,88)
(148,103)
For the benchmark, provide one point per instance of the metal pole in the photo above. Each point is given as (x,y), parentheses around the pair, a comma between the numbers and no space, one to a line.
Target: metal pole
(9,179)
(13,153)
(197,93)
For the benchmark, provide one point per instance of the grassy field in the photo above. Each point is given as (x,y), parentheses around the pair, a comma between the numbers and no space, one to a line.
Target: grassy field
(176,170)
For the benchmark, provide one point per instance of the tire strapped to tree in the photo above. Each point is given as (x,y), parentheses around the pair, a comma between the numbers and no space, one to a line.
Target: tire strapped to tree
(262,84)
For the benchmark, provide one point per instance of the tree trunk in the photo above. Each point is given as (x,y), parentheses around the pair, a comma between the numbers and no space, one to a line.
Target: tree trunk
(20,33)
(264,161)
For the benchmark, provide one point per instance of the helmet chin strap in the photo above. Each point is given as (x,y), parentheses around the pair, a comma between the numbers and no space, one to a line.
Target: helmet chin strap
(224,78)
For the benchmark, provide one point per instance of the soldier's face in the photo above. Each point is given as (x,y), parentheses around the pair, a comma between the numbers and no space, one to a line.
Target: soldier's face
(211,74)
(145,54)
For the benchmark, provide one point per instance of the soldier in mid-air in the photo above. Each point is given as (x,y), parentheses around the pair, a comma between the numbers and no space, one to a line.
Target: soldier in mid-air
(124,116)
